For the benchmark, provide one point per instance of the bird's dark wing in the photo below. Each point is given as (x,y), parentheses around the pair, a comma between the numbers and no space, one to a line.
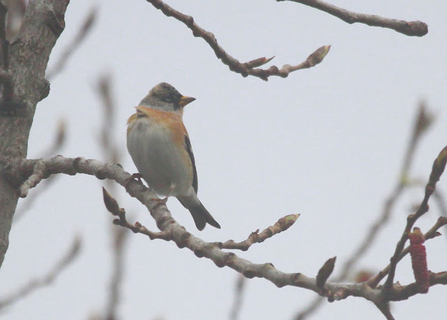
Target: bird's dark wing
(193,163)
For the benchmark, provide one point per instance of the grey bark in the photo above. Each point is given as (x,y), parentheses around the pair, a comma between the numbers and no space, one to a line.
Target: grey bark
(24,70)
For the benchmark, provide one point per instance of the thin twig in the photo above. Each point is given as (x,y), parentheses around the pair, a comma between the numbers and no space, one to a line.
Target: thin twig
(108,147)
(399,292)
(385,309)
(57,145)
(430,234)
(108,128)
(422,122)
(34,179)
(255,237)
(120,235)
(245,69)
(114,208)
(409,28)
(47,279)
(439,198)
(83,31)
(437,170)
(238,297)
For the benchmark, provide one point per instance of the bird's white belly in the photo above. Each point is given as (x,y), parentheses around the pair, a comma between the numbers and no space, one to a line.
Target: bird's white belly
(159,161)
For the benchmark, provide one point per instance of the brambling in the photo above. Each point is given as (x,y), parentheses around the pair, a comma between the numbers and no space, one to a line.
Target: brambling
(159,145)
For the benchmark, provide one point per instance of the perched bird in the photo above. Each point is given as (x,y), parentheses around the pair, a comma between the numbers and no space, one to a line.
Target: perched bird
(159,145)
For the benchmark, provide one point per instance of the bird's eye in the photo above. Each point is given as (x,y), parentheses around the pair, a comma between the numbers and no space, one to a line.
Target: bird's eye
(171,97)
(140,114)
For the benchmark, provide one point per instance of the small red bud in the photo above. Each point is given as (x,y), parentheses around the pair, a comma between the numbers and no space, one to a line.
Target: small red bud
(419,259)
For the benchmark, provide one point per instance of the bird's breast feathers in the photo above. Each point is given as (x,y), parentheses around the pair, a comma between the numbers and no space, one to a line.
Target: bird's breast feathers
(156,142)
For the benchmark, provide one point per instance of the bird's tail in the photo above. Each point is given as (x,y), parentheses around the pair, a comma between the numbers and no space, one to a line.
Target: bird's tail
(199,213)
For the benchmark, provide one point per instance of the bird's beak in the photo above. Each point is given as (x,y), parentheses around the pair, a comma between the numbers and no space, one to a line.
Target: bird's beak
(184,100)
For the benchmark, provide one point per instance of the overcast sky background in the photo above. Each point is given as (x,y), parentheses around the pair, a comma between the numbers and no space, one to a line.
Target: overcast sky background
(327,143)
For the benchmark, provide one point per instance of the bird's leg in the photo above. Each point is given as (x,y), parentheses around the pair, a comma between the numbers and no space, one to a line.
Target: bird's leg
(165,199)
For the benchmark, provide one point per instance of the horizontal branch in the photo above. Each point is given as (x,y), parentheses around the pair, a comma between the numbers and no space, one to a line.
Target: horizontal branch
(184,239)
(399,292)
(409,28)
(245,69)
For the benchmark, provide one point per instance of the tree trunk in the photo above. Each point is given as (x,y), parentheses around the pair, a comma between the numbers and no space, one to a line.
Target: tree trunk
(23,86)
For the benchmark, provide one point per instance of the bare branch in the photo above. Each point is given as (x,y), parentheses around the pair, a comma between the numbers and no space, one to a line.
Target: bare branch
(432,233)
(255,237)
(37,176)
(435,175)
(58,143)
(399,292)
(385,309)
(310,308)
(409,28)
(107,145)
(238,297)
(422,122)
(47,279)
(85,29)
(184,239)
(108,127)
(34,179)
(59,140)
(245,69)
(113,207)
(120,235)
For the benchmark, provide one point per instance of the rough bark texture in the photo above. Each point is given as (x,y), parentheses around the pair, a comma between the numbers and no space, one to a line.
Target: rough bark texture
(28,58)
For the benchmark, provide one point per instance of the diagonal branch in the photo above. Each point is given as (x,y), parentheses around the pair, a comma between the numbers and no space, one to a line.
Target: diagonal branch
(83,31)
(430,234)
(245,69)
(255,237)
(238,298)
(409,28)
(422,123)
(47,279)
(437,170)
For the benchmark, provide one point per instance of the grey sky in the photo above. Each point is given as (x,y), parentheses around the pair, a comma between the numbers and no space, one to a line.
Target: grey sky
(325,142)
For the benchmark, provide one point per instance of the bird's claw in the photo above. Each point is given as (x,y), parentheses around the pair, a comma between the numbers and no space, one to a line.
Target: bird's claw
(160,201)
(136,176)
